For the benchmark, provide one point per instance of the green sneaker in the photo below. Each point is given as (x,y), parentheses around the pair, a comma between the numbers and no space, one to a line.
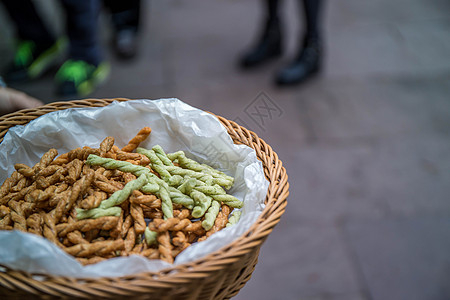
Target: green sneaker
(79,78)
(31,61)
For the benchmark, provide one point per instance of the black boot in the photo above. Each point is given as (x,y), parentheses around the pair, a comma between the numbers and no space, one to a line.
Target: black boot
(306,65)
(268,47)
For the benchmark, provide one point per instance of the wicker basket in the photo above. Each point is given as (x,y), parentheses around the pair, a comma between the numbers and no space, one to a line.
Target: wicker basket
(219,275)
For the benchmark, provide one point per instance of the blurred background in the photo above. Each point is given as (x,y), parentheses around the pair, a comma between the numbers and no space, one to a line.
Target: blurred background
(366,143)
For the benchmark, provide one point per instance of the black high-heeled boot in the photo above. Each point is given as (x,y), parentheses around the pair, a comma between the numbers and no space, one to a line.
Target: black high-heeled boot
(306,65)
(268,47)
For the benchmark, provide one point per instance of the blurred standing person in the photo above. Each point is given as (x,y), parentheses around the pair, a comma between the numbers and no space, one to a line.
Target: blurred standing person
(125,17)
(38,48)
(270,44)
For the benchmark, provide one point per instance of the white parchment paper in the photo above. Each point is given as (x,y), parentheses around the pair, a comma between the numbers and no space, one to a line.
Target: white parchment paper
(175,126)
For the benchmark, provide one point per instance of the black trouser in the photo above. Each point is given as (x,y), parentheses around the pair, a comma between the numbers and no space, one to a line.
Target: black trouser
(125,14)
(311,11)
(81,27)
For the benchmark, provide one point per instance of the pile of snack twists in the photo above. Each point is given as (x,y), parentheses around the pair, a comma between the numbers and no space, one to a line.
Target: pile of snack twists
(101,203)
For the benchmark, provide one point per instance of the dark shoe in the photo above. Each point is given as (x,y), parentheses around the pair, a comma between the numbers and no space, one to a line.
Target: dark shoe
(268,47)
(31,60)
(306,65)
(79,78)
(125,43)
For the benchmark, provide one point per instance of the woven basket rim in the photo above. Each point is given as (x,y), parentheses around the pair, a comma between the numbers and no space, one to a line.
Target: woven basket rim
(264,224)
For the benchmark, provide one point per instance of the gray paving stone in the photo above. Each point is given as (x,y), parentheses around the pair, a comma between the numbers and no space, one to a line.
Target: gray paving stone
(331,183)
(370,108)
(403,258)
(428,43)
(410,175)
(298,262)
(402,11)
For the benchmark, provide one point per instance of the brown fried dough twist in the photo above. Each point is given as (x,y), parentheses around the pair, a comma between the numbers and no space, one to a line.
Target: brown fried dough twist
(108,187)
(75,237)
(93,200)
(180,240)
(176,224)
(8,184)
(220,222)
(46,160)
(49,228)
(150,253)
(44,182)
(102,223)
(34,224)
(6,222)
(127,223)
(52,169)
(106,145)
(130,240)
(20,185)
(91,260)
(74,169)
(153,214)
(139,138)
(40,197)
(18,216)
(137,214)
(24,170)
(97,248)
(165,247)
(4,210)
(117,230)
(148,200)
(82,153)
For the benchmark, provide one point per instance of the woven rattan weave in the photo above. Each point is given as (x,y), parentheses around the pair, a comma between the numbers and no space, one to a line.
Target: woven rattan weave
(219,275)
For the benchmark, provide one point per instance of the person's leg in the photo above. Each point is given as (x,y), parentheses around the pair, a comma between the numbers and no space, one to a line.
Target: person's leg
(82,30)
(125,17)
(308,61)
(28,23)
(269,44)
(124,14)
(36,47)
(85,68)
(312,13)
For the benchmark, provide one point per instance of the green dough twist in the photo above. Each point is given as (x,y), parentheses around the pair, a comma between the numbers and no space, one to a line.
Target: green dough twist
(174,156)
(95,213)
(202,203)
(150,236)
(162,155)
(120,196)
(109,163)
(175,180)
(229,200)
(210,190)
(166,201)
(157,164)
(107,206)
(234,218)
(198,184)
(210,216)
(150,188)
(180,198)
(185,162)
(206,178)
(187,186)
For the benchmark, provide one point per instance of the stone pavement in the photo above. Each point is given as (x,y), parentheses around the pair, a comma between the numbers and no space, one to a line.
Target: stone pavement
(366,144)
